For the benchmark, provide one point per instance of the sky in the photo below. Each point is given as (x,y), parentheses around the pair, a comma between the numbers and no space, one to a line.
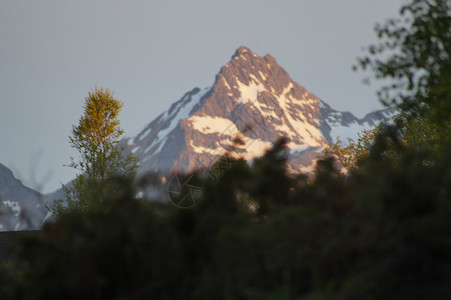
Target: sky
(53,52)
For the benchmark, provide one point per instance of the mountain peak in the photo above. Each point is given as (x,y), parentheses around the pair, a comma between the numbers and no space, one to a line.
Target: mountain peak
(247,69)
(270,59)
(244,52)
(254,98)
(241,50)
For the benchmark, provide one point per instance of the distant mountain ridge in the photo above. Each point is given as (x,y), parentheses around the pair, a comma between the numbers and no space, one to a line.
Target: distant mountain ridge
(21,207)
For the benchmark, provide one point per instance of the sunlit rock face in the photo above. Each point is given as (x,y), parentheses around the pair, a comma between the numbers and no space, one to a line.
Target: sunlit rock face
(252,98)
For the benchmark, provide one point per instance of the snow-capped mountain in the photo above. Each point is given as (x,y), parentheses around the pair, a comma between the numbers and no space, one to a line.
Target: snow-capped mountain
(252,98)
(21,208)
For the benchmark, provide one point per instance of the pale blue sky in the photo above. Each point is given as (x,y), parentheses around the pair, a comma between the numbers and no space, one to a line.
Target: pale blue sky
(52,52)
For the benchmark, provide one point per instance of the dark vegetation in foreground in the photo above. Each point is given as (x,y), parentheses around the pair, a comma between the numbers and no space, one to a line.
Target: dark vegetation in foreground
(380,231)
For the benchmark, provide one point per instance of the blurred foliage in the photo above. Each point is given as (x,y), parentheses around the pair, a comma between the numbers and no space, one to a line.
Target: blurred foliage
(413,52)
(348,157)
(413,57)
(381,231)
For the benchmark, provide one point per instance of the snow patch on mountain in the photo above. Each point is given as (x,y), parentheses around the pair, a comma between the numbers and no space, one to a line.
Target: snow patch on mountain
(249,149)
(148,130)
(14,206)
(255,148)
(211,125)
(295,147)
(249,92)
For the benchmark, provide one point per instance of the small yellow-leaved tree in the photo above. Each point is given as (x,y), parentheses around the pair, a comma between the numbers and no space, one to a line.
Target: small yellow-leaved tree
(347,157)
(96,138)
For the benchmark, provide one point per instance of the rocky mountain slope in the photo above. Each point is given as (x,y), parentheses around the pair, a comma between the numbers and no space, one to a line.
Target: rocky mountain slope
(252,98)
(21,207)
